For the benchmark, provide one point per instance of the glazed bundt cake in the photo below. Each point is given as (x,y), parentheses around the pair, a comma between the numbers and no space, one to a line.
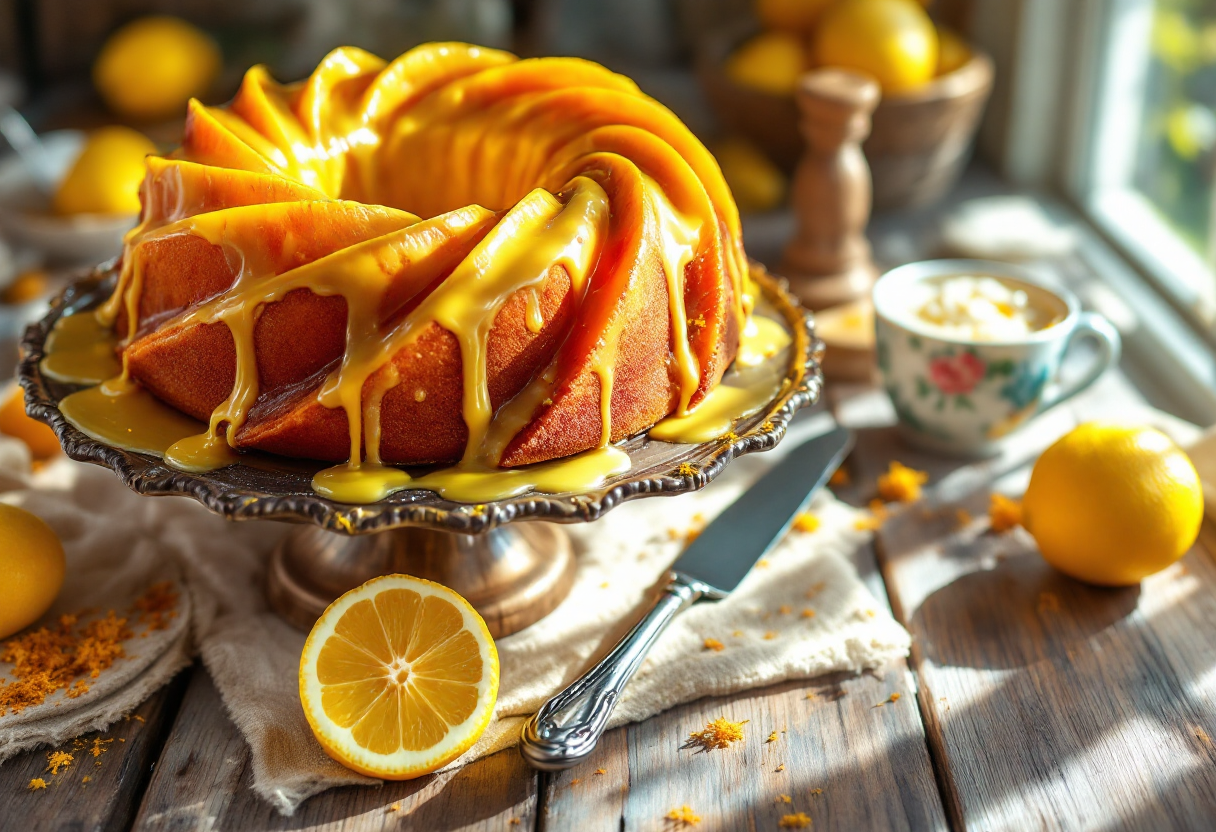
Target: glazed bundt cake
(456,255)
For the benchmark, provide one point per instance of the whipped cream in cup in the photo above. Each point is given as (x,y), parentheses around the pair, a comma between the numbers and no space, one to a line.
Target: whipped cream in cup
(970,350)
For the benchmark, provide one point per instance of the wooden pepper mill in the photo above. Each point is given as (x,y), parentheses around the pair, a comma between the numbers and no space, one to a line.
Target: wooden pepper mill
(828,261)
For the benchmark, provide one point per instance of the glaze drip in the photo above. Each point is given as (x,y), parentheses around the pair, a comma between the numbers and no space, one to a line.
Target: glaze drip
(318,186)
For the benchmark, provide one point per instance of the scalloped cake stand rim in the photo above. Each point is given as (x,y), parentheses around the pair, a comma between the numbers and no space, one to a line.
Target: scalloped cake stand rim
(148,475)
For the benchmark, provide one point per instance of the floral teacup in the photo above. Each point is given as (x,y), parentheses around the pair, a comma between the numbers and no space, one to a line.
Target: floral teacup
(961,395)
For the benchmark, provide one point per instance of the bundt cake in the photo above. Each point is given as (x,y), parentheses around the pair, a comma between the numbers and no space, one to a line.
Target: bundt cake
(455,256)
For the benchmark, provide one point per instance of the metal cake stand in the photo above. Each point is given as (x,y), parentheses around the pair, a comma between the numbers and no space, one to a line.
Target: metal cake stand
(512,573)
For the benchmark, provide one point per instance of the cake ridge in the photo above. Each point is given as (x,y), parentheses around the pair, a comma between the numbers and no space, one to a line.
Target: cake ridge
(635,268)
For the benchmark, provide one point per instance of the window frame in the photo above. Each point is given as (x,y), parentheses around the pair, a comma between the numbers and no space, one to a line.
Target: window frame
(1110,61)
(1042,133)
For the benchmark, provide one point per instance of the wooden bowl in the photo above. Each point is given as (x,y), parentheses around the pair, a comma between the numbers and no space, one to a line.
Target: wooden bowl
(920,140)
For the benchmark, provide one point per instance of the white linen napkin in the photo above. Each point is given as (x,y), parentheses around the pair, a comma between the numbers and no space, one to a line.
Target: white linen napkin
(801,613)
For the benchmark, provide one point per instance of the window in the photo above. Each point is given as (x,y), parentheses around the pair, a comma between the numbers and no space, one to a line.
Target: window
(1146,166)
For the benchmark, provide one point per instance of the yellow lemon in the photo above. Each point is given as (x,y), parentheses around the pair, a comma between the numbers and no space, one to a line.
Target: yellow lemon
(31,569)
(40,439)
(797,15)
(398,677)
(892,40)
(105,179)
(770,62)
(27,286)
(1111,504)
(151,67)
(758,185)
(952,52)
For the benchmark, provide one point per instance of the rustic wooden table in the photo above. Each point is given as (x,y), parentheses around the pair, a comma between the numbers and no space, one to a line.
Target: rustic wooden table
(1029,701)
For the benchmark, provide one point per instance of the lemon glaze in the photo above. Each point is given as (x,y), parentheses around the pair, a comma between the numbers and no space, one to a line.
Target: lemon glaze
(337,137)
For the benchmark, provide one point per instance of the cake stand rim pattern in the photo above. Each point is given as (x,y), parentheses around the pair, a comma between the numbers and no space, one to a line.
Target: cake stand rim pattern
(149,475)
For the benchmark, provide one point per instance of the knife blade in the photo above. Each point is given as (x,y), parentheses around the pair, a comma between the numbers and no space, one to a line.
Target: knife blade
(749,527)
(567,727)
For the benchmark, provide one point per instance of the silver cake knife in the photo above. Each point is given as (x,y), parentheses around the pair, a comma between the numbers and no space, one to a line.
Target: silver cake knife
(567,727)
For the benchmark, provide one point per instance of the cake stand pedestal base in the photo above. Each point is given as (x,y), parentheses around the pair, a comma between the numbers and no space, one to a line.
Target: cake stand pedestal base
(513,575)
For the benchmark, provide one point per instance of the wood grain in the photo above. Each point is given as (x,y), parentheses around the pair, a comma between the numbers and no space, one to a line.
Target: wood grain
(1049,704)
(866,753)
(116,778)
(204,781)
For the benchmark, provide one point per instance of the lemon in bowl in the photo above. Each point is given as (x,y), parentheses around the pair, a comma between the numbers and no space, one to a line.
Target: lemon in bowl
(106,176)
(1111,504)
(31,568)
(151,67)
(771,62)
(894,41)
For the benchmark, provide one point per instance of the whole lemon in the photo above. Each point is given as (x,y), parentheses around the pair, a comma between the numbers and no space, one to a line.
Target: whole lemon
(892,40)
(105,178)
(952,53)
(797,15)
(151,67)
(39,438)
(770,62)
(1110,504)
(31,569)
(756,183)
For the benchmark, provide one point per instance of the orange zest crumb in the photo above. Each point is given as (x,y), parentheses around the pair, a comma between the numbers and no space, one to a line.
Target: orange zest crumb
(686,469)
(799,820)
(85,779)
(772,737)
(601,771)
(892,698)
(157,606)
(1003,513)
(816,791)
(840,478)
(785,609)
(57,760)
(50,658)
(514,821)
(808,613)
(684,815)
(731,436)
(766,426)
(717,734)
(875,519)
(100,746)
(815,590)
(785,798)
(780,767)
(962,518)
(714,644)
(37,783)
(901,484)
(576,781)
(396,807)
(737,634)
(811,695)
(138,718)
(806,522)
(770,635)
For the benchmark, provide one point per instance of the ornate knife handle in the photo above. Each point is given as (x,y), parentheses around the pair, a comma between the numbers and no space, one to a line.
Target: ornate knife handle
(567,727)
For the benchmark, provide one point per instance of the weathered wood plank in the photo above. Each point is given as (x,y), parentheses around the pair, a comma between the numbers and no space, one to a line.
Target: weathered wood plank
(852,759)
(203,781)
(117,776)
(1050,704)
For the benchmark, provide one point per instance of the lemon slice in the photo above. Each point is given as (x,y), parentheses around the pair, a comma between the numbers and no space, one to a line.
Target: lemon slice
(398,677)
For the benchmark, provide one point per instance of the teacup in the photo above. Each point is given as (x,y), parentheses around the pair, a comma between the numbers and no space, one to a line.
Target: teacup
(960,392)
